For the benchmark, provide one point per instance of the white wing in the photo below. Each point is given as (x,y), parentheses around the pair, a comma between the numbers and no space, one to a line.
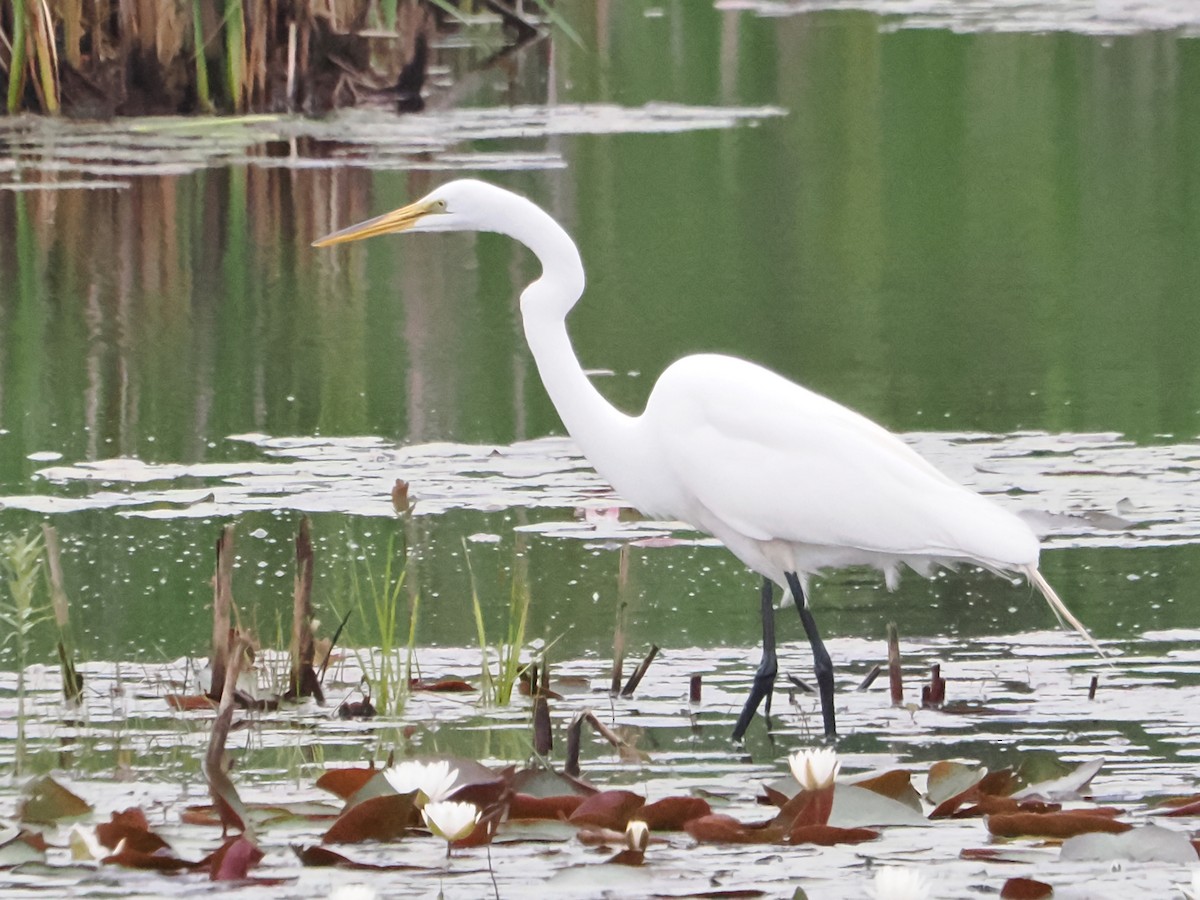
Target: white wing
(775,461)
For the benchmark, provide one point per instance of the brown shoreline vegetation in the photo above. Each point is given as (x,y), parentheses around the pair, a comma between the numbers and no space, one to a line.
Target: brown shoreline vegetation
(102,58)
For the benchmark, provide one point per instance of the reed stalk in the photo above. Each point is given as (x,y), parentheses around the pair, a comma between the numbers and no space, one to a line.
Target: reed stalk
(235,54)
(16,66)
(203,94)
(45,56)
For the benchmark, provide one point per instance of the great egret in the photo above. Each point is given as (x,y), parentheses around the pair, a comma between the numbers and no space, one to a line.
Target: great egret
(787,479)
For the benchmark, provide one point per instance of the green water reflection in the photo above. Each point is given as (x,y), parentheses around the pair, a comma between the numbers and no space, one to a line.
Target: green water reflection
(969,232)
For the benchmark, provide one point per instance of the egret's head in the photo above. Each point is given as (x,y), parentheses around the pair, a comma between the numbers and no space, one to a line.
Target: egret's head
(463,205)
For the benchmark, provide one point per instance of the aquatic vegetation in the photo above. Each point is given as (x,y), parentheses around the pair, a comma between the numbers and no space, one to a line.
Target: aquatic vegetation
(20,566)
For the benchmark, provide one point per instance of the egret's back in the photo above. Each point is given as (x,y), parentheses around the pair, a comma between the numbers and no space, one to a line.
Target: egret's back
(759,455)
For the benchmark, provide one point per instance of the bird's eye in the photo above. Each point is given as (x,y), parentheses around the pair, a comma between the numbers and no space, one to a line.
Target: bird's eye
(439,205)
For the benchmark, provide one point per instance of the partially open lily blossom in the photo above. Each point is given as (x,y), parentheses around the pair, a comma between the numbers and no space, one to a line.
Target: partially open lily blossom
(815,769)
(433,781)
(451,820)
(637,835)
(899,883)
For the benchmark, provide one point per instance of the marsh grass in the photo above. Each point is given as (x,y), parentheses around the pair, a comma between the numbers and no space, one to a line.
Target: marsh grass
(497,689)
(228,55)
(20,566)
(378,601)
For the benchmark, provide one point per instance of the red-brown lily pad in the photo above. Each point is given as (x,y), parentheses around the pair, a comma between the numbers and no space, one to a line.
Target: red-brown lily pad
(345,783)
(163,860)
(322,857)
(671,813)
(523,806)
(382,818)
(131,827)
(1057,825)
(1025,889)
(719,828)
(896,784)
(829,835)
(444,686)
(608,809)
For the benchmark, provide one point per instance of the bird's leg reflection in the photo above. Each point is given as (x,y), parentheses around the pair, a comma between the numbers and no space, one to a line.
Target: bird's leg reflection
(822,665)
(764,678)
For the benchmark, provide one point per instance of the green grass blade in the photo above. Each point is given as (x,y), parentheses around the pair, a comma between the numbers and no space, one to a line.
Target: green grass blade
(203,95)
(16,66)
(486,685)
(555,18)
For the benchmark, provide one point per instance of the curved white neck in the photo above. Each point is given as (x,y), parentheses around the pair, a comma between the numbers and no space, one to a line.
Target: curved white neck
(603,433)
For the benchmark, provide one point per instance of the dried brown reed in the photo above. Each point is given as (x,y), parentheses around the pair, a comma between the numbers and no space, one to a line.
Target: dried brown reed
(114,57)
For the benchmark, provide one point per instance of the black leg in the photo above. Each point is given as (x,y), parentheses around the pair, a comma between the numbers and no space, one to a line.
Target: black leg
(764,678)
(822,665)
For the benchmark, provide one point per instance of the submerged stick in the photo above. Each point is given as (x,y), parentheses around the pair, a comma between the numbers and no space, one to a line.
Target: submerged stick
(72,681)
(636,678)
(870,679)
(575,739)
(894,678)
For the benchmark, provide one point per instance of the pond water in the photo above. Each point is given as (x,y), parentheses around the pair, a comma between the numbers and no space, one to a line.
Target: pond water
(975,223)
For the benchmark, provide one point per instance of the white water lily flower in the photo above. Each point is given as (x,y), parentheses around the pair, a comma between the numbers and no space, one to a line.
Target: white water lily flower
(815,769)
(432,781)
(899,883)
(354,892)
(1194,894)
(451,820)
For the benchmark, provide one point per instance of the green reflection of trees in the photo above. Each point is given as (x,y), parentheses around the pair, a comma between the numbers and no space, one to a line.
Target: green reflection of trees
(945,231)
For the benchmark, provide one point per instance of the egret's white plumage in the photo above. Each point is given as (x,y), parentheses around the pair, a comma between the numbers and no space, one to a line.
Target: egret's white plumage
(789,480)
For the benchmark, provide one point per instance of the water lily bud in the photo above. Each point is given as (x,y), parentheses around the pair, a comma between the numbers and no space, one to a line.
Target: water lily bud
(637,835)
(815,769)
(85,846)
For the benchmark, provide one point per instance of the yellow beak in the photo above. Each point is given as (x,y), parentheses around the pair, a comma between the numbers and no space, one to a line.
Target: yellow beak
(389,223)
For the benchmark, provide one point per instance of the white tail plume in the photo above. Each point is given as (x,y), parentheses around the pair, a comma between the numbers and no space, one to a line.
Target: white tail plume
(1065,616)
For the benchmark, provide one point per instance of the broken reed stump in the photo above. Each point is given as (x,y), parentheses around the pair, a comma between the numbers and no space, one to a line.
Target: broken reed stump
(72,681)
(933,695)
(222,612)
(303,681)
(543,736)
(619,627)
(894,678)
